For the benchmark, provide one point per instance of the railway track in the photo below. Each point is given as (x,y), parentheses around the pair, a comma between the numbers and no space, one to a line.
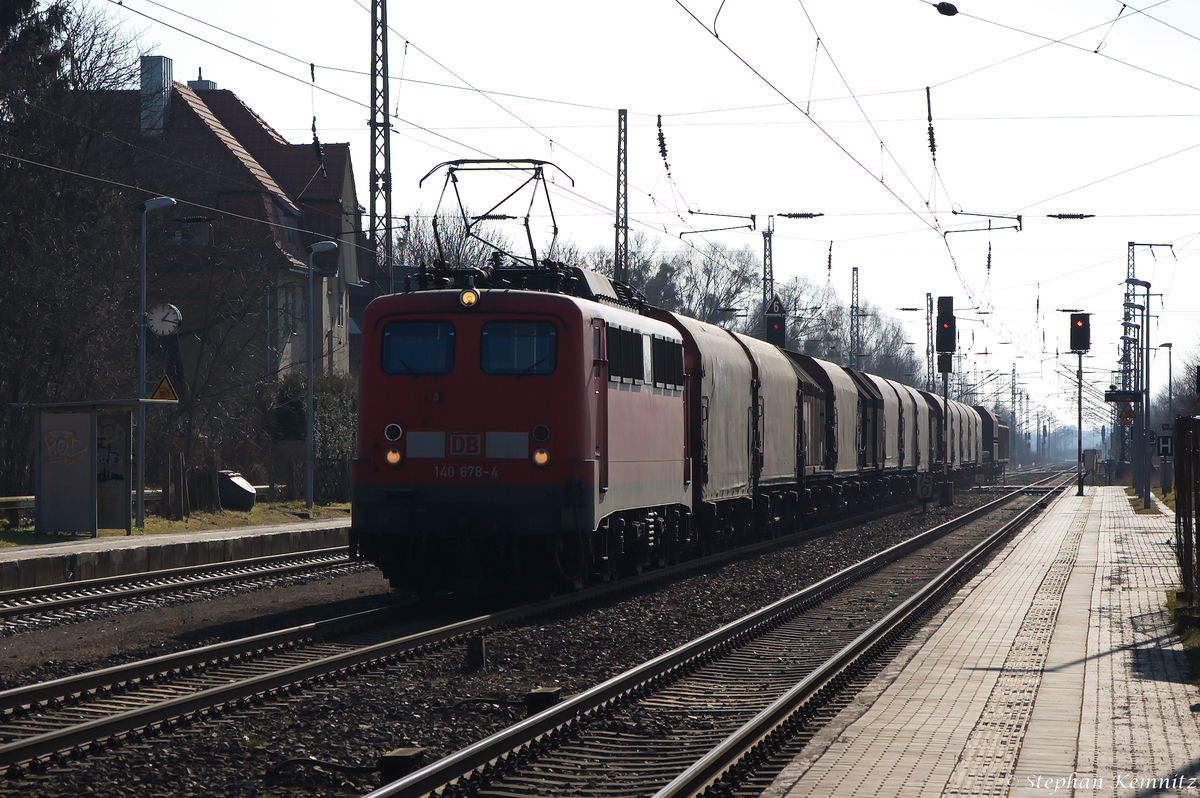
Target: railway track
(28,608)
(707,713)
(49,724)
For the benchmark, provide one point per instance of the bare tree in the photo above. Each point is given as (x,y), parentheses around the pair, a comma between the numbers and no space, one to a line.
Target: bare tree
(715,279)
(650,271)
(418,246)
(69,267)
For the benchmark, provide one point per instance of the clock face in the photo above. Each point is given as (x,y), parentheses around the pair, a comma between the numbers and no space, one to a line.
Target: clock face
(164,319)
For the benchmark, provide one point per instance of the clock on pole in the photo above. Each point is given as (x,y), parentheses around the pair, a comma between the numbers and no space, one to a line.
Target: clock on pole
(164,319)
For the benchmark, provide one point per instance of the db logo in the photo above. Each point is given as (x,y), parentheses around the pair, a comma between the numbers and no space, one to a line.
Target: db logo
(466,444)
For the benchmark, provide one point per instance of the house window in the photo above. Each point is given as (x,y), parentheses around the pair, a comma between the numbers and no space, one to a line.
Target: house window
(290,231)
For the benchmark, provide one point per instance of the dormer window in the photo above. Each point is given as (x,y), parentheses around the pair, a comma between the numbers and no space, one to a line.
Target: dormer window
(291,230)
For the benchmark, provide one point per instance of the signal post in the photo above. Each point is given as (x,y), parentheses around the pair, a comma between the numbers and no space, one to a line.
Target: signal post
(946,345)
(1081,341)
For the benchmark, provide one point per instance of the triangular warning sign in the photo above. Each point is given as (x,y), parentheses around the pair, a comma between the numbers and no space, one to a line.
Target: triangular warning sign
(1127,413)
(775,307)
(165,392)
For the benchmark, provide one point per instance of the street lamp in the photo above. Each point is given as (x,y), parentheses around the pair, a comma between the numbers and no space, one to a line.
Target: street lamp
(148,205)
(320,246)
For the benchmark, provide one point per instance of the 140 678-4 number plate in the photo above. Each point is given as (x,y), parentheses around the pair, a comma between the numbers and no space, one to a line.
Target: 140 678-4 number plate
(465,471)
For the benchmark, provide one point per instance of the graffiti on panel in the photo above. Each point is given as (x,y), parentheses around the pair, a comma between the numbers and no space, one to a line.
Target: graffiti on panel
(113,461)
(63,446)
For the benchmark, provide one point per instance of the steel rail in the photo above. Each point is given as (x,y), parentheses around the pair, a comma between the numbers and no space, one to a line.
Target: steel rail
(60,690)
(163,714)
(135,720)
(187,578)
(86,682)
(521,736)
(770,724)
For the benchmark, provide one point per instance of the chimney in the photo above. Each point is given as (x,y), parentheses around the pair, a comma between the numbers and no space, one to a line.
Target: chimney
(200,84)
(156,94)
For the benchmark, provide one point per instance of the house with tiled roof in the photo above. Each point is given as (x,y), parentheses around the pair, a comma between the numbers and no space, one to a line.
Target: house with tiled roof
(232,254)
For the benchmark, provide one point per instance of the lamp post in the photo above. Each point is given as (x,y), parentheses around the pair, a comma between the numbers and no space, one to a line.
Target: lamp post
(320,246)
(1144,488)
(144,208)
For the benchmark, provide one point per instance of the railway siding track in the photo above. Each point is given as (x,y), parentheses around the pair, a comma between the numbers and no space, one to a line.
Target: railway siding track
(32,607)
(687,719)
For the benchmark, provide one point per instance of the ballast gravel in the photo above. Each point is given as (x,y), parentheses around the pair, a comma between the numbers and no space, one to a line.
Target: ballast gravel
(435,702)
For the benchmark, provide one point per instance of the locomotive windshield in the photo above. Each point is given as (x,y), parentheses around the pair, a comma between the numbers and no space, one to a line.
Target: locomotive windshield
(418,347)
(518,347)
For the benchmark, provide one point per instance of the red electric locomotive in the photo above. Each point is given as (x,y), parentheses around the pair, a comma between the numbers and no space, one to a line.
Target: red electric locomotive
(484,445)
(526,421)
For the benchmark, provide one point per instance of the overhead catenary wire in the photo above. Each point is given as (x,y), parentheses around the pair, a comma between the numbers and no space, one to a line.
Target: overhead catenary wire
(571,193)
(891,174)
(417,127)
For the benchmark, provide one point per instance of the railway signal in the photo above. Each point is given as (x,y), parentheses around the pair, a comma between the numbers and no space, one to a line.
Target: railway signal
(945,325)
(1081,332)
(775,318)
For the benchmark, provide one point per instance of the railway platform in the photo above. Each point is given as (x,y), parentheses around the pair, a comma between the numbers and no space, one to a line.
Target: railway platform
(1055,672)
(91,558)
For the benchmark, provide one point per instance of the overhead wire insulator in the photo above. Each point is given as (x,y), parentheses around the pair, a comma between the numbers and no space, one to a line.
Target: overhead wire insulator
(929,112)
(318,150)
(662,146)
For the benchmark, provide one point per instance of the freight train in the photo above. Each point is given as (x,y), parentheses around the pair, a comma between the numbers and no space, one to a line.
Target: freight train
(541,424)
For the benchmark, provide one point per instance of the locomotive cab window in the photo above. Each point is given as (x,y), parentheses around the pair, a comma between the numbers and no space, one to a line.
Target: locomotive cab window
(418,347)
(518,347)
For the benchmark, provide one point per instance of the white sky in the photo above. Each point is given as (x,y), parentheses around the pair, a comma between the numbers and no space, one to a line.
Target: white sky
(1029,119)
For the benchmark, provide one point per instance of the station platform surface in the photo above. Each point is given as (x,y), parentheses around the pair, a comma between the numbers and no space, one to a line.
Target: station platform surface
(1055,672)
(75,559)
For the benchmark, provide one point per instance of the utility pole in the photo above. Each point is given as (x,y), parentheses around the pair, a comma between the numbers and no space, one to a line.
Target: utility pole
(381,146)
(930,368)
(855,326)
(621,246)
(1131,346)
(768,280)
(1013,426)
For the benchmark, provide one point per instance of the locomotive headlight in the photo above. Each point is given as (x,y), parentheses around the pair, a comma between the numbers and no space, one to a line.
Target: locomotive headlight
(393,457)
(469,298)
(541,457)
(393,432)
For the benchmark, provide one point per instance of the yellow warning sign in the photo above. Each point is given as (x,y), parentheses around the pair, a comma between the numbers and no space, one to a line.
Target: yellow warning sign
(165,392)
(1127,414)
